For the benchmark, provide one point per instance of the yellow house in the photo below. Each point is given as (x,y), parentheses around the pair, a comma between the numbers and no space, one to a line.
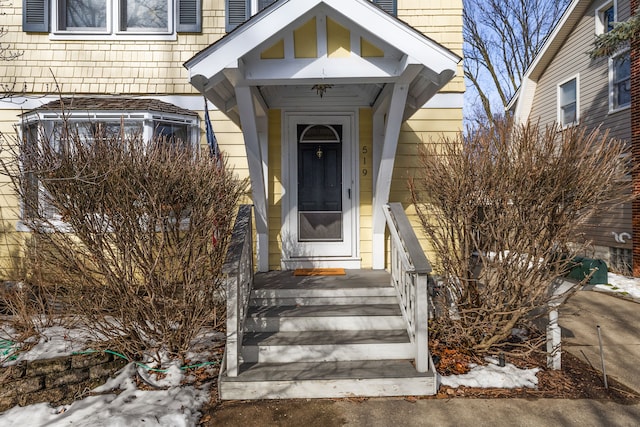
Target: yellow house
(321,103)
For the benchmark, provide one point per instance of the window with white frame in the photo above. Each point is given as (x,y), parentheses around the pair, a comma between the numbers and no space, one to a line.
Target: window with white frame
(108,18)
(95,118)
(124,15)
(568,107)
(620,81)
(606,16)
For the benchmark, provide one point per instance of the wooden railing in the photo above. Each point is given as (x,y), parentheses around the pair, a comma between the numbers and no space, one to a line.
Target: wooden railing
(238,273)
(409,271)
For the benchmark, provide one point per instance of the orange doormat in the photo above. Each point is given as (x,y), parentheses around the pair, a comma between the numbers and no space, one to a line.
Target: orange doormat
(319,272)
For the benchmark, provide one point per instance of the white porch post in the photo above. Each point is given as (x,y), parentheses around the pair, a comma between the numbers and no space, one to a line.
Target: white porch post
(385,169)
(377,144)
(257,161)
(384,158)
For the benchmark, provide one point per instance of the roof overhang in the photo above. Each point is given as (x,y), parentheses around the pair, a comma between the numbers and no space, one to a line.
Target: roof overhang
(522,101)
(237,59)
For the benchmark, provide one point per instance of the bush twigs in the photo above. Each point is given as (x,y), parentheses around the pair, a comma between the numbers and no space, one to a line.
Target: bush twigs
(504,208)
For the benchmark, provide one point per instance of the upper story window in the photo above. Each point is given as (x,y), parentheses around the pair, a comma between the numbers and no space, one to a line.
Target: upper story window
(85,19)
(568,105)
(605,17)
(127,15)
(238,11)
(620,81)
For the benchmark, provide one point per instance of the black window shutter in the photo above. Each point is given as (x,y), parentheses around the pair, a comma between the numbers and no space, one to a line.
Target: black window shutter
(237,12)
(189,16)
(35,16)
(389,6)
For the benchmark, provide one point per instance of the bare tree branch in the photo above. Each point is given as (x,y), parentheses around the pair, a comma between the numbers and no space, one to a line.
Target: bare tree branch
(501,39)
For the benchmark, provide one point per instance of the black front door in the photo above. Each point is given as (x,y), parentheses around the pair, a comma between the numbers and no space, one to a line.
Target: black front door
(320,183)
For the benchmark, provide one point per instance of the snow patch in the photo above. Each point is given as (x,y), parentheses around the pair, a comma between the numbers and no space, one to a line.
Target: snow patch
(624,285)
(493,375)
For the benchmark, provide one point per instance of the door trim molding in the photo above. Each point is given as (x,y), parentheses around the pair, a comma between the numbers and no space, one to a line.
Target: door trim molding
(350,118)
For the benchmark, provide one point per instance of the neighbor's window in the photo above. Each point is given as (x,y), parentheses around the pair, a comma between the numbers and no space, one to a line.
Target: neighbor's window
(568,102)
(605,17)
(620,81)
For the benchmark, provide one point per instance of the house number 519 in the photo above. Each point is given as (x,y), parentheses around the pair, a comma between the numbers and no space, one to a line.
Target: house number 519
(365,150)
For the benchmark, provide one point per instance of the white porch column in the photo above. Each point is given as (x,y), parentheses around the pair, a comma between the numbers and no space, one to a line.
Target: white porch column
(257,161)
(377,144)
(385,157)
(385,169)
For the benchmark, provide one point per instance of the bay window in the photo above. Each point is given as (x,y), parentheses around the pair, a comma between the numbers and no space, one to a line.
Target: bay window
(95,119)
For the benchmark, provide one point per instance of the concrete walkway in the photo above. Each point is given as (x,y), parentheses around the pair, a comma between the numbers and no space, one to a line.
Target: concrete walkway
(619,320)
(389,412)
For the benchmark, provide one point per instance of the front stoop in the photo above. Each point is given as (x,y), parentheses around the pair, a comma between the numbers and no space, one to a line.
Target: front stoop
(371,378)
(323,337)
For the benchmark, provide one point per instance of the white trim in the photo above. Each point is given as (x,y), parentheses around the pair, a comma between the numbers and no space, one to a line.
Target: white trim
(445,100)
(613,107)
(353,69)
(326,254)
(382,179)
(258,164)
(575,77)
(599,15)
(26,103)
(371,21)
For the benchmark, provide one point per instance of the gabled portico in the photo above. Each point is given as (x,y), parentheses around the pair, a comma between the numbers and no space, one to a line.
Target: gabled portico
(309,67)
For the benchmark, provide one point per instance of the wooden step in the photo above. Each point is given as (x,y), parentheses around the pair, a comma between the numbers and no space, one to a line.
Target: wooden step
(375,378)
(276,299)
(324,317)
(326,292)
(318,346)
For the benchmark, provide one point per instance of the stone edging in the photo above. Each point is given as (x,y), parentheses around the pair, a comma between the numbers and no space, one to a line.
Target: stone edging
(60,380)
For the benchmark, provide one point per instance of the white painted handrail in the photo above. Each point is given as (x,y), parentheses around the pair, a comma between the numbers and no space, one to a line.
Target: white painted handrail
(238,274)
(409,272)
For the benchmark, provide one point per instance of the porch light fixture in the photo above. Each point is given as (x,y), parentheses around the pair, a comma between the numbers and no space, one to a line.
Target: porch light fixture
(321,89)
(319,152)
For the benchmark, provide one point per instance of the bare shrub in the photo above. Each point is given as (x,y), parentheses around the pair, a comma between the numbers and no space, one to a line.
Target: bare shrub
(503,210)
(124,230)
(25,307)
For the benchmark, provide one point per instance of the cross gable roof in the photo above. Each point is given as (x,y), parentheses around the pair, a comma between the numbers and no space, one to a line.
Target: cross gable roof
(238,58)
(523,98)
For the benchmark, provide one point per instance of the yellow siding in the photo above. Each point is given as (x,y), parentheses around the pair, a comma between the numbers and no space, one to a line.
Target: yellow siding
(441,20)
(305,40)
(11,242)
(427,126)
(369,50)
(338,40)
(105,67)
(274,52)
(274,191)
(366,185)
